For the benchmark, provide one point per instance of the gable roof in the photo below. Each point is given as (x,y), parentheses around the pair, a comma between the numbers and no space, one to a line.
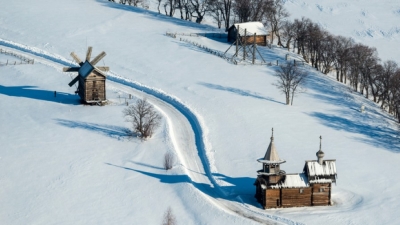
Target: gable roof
(328,168)
(87,68)
(251,28)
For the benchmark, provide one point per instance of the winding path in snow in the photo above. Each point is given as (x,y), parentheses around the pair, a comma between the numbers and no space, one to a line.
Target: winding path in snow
(183,124)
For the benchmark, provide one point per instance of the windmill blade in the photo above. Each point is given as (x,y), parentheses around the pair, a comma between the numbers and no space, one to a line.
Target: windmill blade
(98,58)
(71,69)
(88,53)
(103,68)
(74,81)
(76,58)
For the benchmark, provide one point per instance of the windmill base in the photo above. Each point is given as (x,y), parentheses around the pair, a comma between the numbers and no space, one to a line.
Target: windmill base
(95,102)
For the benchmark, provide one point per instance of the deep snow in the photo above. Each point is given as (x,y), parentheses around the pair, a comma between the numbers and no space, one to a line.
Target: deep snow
(66,163)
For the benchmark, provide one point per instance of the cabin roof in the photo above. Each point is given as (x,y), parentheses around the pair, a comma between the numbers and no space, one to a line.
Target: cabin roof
(251,28)
(327,168)
(298,180)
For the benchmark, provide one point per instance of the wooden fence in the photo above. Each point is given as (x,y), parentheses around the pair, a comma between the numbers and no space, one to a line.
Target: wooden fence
(230,58)
(23,59)
(211,35)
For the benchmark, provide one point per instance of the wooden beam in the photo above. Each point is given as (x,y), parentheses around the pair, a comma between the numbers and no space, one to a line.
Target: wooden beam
(74,81)
(71,69)
(103,68)
(98,58)
(76,58)
(88,53)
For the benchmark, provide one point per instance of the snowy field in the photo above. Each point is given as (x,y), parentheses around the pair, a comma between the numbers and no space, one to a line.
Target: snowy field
(65,163)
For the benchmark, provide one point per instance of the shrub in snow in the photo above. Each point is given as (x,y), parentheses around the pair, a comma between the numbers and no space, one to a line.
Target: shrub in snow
(169,218)
(168,160)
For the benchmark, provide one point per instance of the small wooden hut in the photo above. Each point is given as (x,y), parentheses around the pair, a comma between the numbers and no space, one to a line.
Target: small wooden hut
(276,189)
(246,31)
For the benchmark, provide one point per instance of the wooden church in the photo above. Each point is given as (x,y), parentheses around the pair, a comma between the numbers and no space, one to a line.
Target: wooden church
(91,78)
(277,189)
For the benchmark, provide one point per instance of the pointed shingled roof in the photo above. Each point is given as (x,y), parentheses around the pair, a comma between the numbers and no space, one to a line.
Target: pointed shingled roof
(271,156)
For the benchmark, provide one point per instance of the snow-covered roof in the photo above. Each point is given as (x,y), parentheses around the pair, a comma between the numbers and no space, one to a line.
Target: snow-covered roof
(327,168)
(293,181)
(251,28)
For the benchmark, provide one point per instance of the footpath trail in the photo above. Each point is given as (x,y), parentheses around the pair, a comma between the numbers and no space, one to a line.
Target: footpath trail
(184,130)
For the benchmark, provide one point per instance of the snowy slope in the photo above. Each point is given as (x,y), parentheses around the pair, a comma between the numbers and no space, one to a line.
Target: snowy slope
(375,23)
(235,105)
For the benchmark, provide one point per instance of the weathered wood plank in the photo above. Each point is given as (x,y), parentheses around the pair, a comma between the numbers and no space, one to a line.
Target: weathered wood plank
(98,58)
(76,58)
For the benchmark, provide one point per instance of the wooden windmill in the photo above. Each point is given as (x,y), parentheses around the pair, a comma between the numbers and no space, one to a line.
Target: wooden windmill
(92,79)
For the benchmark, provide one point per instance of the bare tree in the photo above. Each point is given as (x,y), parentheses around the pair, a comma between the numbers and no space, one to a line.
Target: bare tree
(169,160)
(143,117)
(200,8)
(169,218)
(288,33)
(276,15)
(290,80)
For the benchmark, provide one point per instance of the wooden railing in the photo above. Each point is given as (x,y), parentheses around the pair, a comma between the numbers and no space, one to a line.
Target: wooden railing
(23,59)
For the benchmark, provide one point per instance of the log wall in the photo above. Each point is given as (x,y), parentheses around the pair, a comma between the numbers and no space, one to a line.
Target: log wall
(95,87)
(272,198)
(260,40)
(294,197)
(321,194)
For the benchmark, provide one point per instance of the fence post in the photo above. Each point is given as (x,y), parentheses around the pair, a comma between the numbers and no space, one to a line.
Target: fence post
(254,48)
(237,41)
(244,47)
(277,63)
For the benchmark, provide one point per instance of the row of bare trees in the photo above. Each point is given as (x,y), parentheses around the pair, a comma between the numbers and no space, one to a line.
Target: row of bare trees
(355,64)
(223,12)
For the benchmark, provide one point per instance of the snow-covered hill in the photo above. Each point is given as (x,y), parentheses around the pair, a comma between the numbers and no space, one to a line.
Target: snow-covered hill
(375,23)
(64,163)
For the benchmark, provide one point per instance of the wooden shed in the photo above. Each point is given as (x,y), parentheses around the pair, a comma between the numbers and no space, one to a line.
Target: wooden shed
(246,31)
(276,189)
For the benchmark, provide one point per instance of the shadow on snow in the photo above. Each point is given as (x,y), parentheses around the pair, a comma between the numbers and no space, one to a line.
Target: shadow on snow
(379,136)
(33,93)
(156,15)
(238,92)
(107,130)
(373,124)
(240,185)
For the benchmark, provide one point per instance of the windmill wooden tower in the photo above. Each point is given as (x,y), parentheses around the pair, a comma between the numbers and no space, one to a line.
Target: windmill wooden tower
(92,79)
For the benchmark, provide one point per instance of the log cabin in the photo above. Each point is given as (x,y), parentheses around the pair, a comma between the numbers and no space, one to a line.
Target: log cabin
(246,31)
(277,189)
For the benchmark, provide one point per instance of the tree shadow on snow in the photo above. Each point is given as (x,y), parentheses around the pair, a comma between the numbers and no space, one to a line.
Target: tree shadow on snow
(156,16)
(379,136)
(33,93)
(373,124)
(238,92)
(107,130)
